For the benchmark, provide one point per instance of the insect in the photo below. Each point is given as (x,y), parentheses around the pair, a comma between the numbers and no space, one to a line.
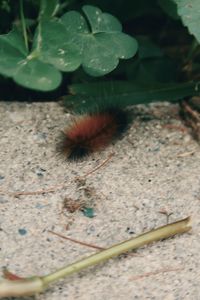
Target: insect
(92,132)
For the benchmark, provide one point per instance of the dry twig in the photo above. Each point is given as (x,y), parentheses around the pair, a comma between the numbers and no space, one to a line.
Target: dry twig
(148,274)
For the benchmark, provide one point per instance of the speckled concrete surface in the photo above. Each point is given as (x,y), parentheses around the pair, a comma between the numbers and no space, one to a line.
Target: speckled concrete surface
(155,168)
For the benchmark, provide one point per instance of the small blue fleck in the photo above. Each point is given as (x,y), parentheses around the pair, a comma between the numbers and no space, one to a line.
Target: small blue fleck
(22,231)
(39,205)
(40,172)
(88,212)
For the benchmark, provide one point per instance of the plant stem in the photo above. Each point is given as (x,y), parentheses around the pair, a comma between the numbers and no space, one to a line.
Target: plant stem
(143,239)
(34,285)
(23,24)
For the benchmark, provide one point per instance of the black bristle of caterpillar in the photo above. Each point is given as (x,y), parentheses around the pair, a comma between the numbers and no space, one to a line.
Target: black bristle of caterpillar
(77,153)
(72,152)
(122,118)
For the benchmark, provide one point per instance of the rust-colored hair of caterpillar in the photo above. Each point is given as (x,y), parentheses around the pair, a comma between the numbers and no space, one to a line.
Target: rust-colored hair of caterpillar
(92,132)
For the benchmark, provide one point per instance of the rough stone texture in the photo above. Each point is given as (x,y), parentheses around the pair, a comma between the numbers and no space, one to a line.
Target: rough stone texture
(155,168)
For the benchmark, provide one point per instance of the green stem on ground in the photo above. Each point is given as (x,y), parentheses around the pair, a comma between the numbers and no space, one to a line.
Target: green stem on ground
(31,286)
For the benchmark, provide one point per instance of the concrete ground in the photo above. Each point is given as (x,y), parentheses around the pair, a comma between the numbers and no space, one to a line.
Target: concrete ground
(152,177)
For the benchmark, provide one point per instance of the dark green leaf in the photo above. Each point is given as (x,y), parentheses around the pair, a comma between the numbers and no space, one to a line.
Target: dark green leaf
(152,70)
(169,7)
(38,75)
(14,40)
(189,11)
(101,22)
(60,49)
(97,47)
(87,97)
(148,49)
(48,8)
(12,53)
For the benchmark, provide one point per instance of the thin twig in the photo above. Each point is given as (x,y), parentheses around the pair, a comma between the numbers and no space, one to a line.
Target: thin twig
(176,127)
(163,211)
(39,192)
(76,241)
(100,166)
(86,244)
(190,110)
(185,154)
(53,188)
(148,274)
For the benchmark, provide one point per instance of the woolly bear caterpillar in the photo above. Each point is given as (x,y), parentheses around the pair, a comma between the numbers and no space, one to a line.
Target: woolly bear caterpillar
(92,132)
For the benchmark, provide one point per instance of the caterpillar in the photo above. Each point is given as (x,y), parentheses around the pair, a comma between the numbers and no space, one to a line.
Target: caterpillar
(92,132)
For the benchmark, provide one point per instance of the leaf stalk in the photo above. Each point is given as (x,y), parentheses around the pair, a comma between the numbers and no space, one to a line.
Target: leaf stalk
(23,24)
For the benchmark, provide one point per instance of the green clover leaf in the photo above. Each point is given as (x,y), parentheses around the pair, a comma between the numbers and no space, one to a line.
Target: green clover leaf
(188,10)
(25,69)
(93,39)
